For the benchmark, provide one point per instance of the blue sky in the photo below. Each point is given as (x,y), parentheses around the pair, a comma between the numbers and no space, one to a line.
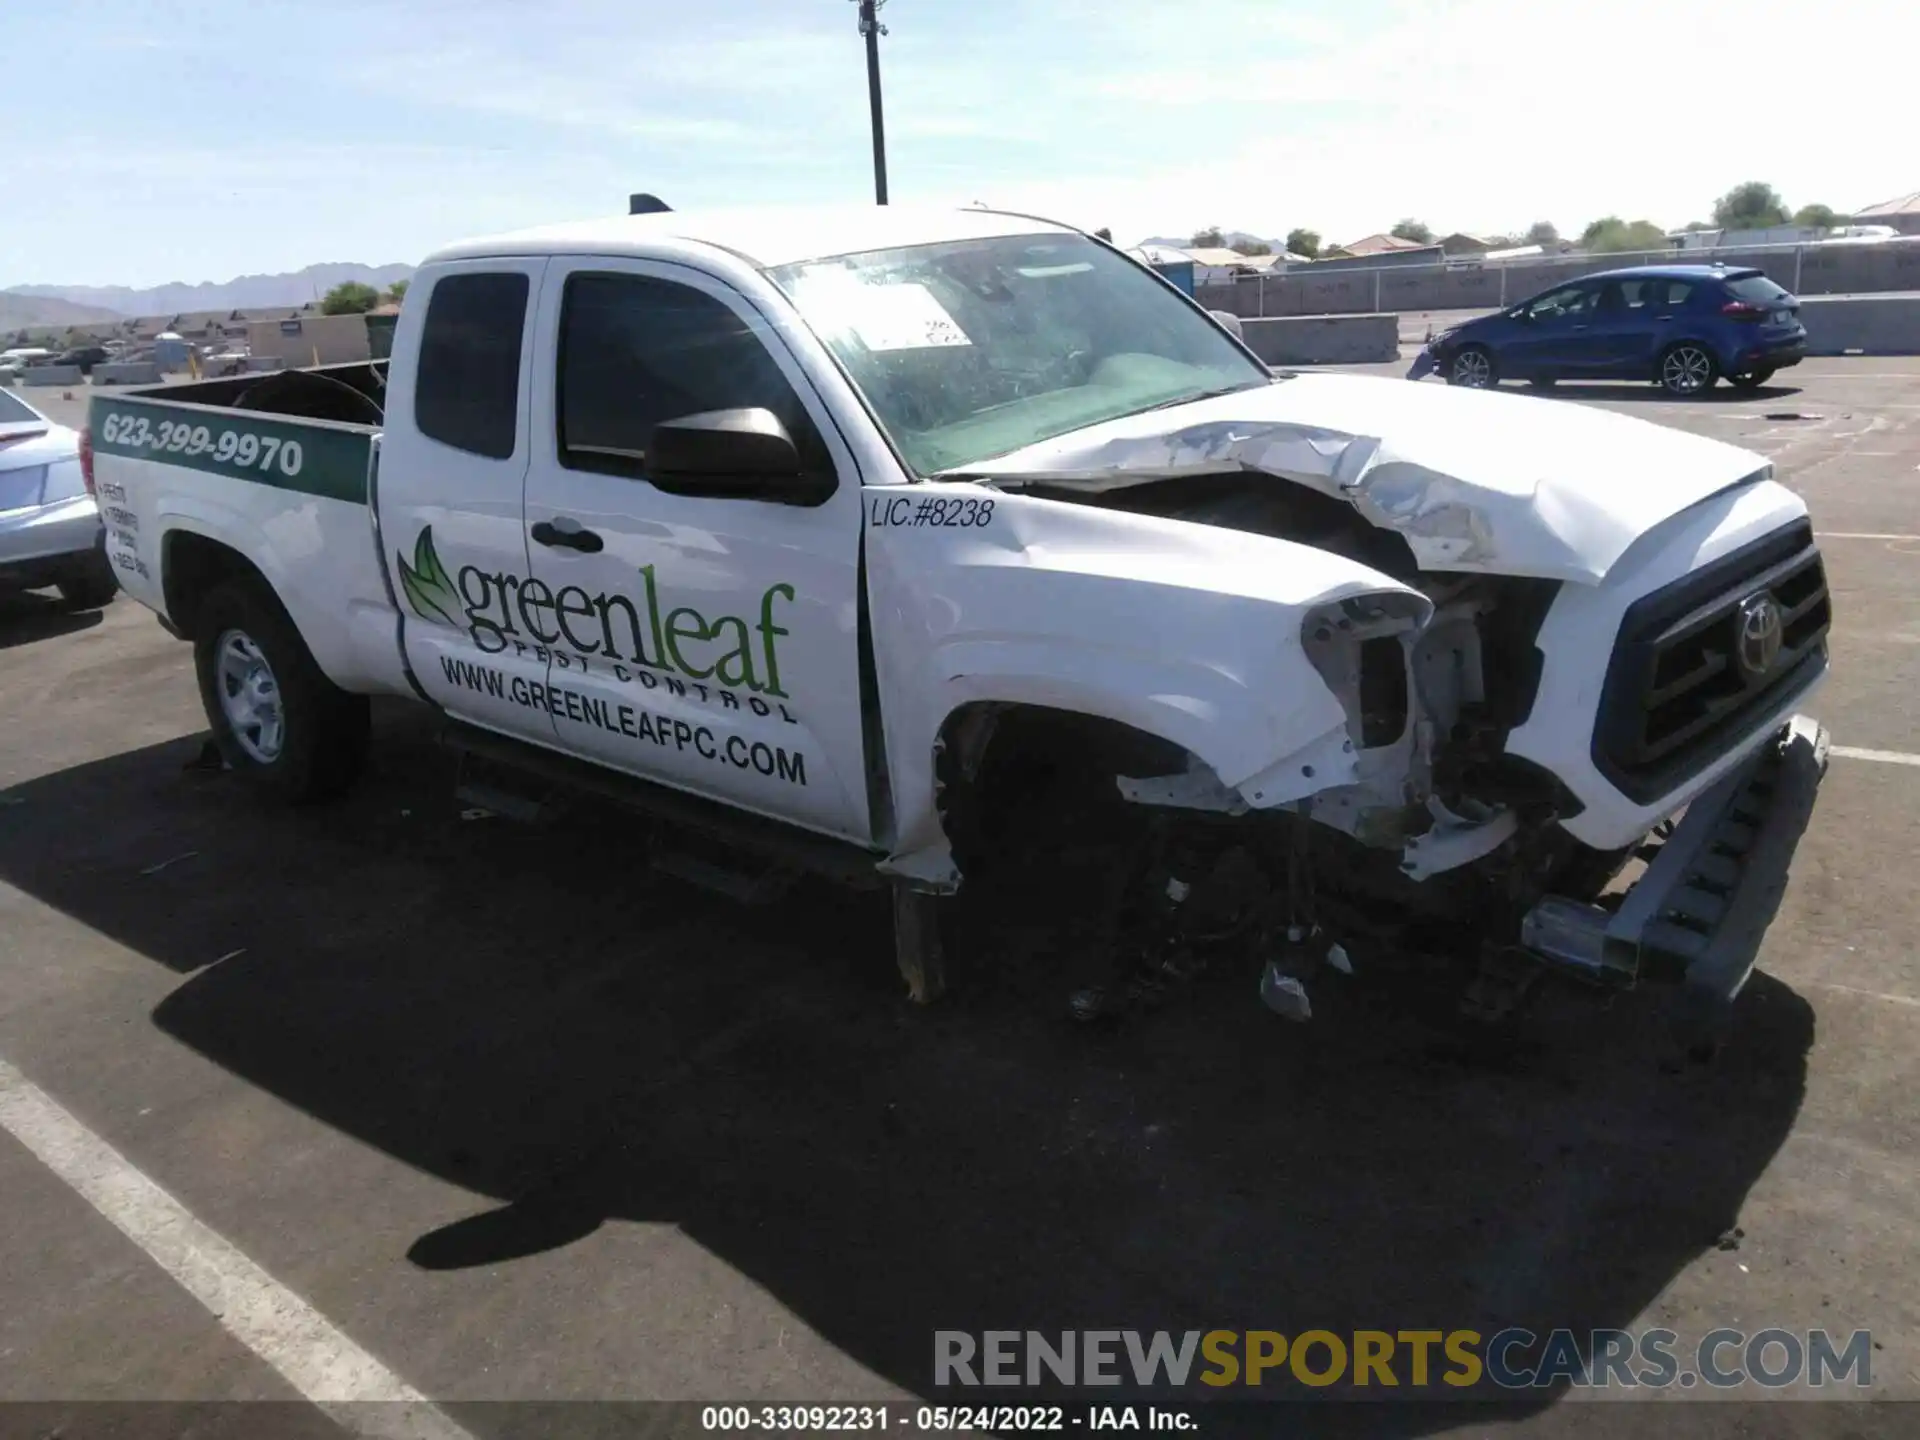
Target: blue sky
(200,139)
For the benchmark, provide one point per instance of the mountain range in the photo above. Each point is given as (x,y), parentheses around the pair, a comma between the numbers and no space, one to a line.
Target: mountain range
(18,312)
(104,302)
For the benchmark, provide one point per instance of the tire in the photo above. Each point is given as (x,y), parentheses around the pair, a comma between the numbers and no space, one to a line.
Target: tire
(1752,380)
(1686,370)
(307,739)
(1473,367)
(90,585)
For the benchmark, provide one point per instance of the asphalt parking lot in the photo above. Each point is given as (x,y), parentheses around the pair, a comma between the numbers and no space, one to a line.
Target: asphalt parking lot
(526,1124)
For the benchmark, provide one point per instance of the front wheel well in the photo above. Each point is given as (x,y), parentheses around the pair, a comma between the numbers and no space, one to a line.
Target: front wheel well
(1017,776)
(192,566)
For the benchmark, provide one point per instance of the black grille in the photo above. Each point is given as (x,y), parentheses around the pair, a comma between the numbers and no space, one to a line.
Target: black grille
(1677,695)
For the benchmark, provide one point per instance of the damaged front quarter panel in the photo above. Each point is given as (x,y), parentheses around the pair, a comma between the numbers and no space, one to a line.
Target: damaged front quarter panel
(1190,633)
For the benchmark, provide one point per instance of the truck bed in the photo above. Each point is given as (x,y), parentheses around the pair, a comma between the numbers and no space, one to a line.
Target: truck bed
(286,458)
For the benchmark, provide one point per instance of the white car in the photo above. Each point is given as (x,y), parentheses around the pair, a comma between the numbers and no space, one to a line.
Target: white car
(50,527)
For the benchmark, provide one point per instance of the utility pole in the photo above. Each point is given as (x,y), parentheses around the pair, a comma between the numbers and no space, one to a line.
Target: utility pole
(872,29)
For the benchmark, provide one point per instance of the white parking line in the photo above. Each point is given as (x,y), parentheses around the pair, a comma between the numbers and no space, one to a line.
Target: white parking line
(269,1319)
(1883,757)
(1858,535)
(1868,994)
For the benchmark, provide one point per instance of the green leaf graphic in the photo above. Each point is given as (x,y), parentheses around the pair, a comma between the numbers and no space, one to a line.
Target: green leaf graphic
(429,589)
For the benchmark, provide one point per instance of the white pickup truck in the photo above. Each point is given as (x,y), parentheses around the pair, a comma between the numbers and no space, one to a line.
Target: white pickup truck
(844,535)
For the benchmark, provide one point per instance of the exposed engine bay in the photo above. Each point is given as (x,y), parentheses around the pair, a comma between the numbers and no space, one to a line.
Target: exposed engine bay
(1430,691)
(1440,843)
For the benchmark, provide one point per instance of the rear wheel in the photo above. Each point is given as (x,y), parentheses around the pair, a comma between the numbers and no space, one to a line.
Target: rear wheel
(285,729)
(1752,380)
(1473,368)
(1687,369)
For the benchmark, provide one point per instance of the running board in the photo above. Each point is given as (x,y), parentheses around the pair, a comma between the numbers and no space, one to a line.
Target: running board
(784,847)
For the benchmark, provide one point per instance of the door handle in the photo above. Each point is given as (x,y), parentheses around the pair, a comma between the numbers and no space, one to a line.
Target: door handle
(565,533)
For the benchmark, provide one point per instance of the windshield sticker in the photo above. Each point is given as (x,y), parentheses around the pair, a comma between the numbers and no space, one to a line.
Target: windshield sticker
(880,317)
(906,317)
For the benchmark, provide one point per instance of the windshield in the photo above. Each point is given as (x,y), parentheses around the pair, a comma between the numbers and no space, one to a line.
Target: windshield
(975,348)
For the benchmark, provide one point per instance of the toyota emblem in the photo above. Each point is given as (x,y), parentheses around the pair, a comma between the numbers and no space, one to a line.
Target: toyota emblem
(1760,634)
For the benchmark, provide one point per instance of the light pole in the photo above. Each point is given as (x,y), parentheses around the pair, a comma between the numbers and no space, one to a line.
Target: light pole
(872,29)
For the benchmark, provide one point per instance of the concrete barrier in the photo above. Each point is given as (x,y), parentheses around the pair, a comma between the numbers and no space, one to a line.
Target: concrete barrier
(126,372)
(1323,340)
(1870,324)
(52,375)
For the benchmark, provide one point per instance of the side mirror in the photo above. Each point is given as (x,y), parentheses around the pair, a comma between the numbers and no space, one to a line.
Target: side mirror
(1230,320)
(742,454)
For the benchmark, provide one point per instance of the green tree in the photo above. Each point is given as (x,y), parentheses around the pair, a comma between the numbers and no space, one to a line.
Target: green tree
(1612,236)
(1252,247)
(1752,206)
(1541,232)
(350,297)
(1302,241)
(1694,227)
(1413,230)
(1822,216)
(1208,239)
(397,291)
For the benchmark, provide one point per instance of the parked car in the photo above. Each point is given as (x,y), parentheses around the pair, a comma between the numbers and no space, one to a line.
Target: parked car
(12,362)
(1684,327)
(85,356)
(50,528)
(828,531)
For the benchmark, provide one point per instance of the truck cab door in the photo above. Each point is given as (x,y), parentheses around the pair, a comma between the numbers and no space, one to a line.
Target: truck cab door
(707,643)
(450,491)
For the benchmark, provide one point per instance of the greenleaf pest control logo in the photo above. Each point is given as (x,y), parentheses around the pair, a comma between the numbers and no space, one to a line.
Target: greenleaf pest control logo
(497,608)
(430,590)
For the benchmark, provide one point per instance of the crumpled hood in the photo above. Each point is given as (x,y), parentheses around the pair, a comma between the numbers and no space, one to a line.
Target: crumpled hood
(1475,480)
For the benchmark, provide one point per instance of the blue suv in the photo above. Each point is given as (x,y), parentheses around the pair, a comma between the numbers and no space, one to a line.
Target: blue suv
(1681,326)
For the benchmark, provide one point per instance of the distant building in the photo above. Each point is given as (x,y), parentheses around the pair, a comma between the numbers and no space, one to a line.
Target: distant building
(1902,213)
(1368,246)
(1460,243)
(1217,266)
(1176,265)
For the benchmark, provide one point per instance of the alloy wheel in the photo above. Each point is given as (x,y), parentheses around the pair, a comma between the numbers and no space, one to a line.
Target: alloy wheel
(250,697)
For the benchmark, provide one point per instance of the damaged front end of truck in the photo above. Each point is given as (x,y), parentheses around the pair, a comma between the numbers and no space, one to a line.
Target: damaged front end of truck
(1507,589)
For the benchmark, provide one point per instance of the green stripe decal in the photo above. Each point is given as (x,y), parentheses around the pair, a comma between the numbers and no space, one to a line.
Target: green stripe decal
(304,457)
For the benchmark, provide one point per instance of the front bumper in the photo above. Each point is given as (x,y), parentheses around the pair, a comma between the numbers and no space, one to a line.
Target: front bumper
(1698,914)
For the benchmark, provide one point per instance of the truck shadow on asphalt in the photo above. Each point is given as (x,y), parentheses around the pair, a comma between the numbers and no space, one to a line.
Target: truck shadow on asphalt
(26,617)
(525,1013)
